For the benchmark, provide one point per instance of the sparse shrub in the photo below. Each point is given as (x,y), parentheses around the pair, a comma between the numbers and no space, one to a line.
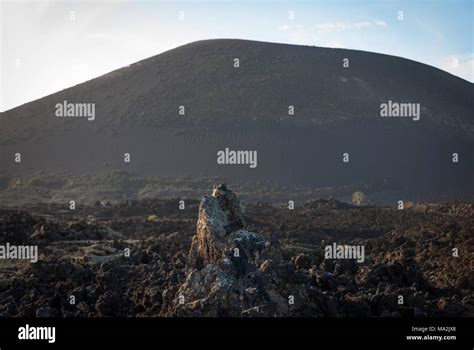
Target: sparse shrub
(358,198)
(152,218)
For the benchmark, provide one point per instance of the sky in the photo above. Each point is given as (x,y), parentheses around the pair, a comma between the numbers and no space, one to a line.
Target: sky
(47,46)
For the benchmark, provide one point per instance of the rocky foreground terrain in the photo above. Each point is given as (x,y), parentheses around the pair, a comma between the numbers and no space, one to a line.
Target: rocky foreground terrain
(150,258)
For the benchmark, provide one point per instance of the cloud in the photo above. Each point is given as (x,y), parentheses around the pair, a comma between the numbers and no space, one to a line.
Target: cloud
(299,34)
(379,23)
(309,35)
(328,27)
(459,65)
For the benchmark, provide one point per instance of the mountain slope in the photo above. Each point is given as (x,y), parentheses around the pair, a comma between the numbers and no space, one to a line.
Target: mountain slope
(337,110)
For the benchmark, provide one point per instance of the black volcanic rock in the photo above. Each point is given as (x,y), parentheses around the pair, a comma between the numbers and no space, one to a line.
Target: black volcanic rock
(409,253)
(237,272)
(246,108)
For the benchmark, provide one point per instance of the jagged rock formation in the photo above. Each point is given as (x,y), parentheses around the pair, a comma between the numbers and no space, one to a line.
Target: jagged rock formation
(219,215)
(232,271)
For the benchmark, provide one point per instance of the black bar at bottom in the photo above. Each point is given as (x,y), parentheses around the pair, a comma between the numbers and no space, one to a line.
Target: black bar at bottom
(84,331)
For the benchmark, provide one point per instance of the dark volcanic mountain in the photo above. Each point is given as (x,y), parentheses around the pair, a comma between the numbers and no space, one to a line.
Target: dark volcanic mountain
(337,110)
